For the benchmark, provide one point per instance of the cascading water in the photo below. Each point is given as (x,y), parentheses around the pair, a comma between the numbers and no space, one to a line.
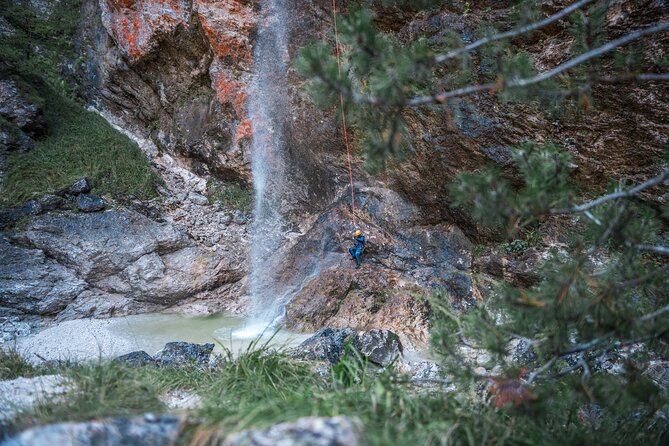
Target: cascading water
(267,108)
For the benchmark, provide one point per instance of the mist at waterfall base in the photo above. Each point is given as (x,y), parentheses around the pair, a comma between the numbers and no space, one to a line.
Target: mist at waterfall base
(267,110)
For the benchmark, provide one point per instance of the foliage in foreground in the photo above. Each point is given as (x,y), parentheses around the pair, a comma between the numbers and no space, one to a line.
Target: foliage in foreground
(602,302)
(383,75)
(263,386)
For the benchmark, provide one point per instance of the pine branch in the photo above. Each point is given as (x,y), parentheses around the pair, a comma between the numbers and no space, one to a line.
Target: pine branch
(654,314)
(517,83)
(620,79)
(659,179)
(512,33)
(662,250)
(493,86)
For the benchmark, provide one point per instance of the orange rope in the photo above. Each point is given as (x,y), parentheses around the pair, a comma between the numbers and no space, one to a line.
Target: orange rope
(343,113)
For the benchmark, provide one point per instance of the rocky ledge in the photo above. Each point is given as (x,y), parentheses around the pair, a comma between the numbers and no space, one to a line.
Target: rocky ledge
(104,264)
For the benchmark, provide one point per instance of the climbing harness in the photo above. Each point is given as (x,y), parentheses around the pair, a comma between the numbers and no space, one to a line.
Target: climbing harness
(343,113)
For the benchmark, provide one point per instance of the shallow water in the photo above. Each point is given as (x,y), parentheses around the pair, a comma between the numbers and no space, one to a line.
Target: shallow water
(233,333)
(88,339)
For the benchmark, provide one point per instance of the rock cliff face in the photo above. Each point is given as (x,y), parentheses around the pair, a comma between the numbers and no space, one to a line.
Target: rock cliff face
(106,264)
(175,74)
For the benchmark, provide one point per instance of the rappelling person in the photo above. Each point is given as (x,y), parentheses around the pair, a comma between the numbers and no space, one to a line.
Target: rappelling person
(359,247)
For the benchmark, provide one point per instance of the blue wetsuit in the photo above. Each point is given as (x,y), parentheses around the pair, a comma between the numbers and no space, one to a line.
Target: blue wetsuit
(356,251)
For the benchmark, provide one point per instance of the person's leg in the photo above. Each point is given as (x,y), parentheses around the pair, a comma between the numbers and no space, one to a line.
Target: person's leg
(357,257)
(351,251)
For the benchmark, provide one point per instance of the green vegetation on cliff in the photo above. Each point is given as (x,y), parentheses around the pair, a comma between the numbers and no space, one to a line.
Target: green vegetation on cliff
(80,144)
(229,195)
(37,51)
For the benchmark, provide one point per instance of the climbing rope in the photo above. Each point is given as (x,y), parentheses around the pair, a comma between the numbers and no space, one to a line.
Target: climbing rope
(343,113)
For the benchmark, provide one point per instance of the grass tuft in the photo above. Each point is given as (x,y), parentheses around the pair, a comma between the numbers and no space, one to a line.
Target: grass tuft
(13,365)
(102,390)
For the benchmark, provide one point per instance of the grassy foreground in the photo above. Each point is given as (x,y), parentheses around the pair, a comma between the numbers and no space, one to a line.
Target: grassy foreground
(262,387)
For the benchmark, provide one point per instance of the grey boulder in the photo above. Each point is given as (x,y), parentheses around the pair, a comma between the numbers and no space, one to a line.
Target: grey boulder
(123,431)
(33,283)
(81,186)
(381,347)
(127,254)
(136,359)
(311,431)
(22,394)
(180,354)
(327,344)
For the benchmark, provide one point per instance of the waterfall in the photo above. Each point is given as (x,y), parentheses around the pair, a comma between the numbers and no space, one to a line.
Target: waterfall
(267,109)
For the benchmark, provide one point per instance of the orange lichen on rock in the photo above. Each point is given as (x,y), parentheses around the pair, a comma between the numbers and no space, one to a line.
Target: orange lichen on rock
(244,129)
(228,24)
(230,92)
(136,26)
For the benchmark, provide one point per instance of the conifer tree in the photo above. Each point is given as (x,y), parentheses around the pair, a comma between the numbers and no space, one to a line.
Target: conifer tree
(584,314)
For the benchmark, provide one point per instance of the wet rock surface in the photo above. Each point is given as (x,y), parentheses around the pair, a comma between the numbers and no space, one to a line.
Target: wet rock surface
(316,431)
(155,430)
(405,259)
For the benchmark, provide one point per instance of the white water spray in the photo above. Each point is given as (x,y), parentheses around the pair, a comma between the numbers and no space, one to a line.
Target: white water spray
(267,107)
